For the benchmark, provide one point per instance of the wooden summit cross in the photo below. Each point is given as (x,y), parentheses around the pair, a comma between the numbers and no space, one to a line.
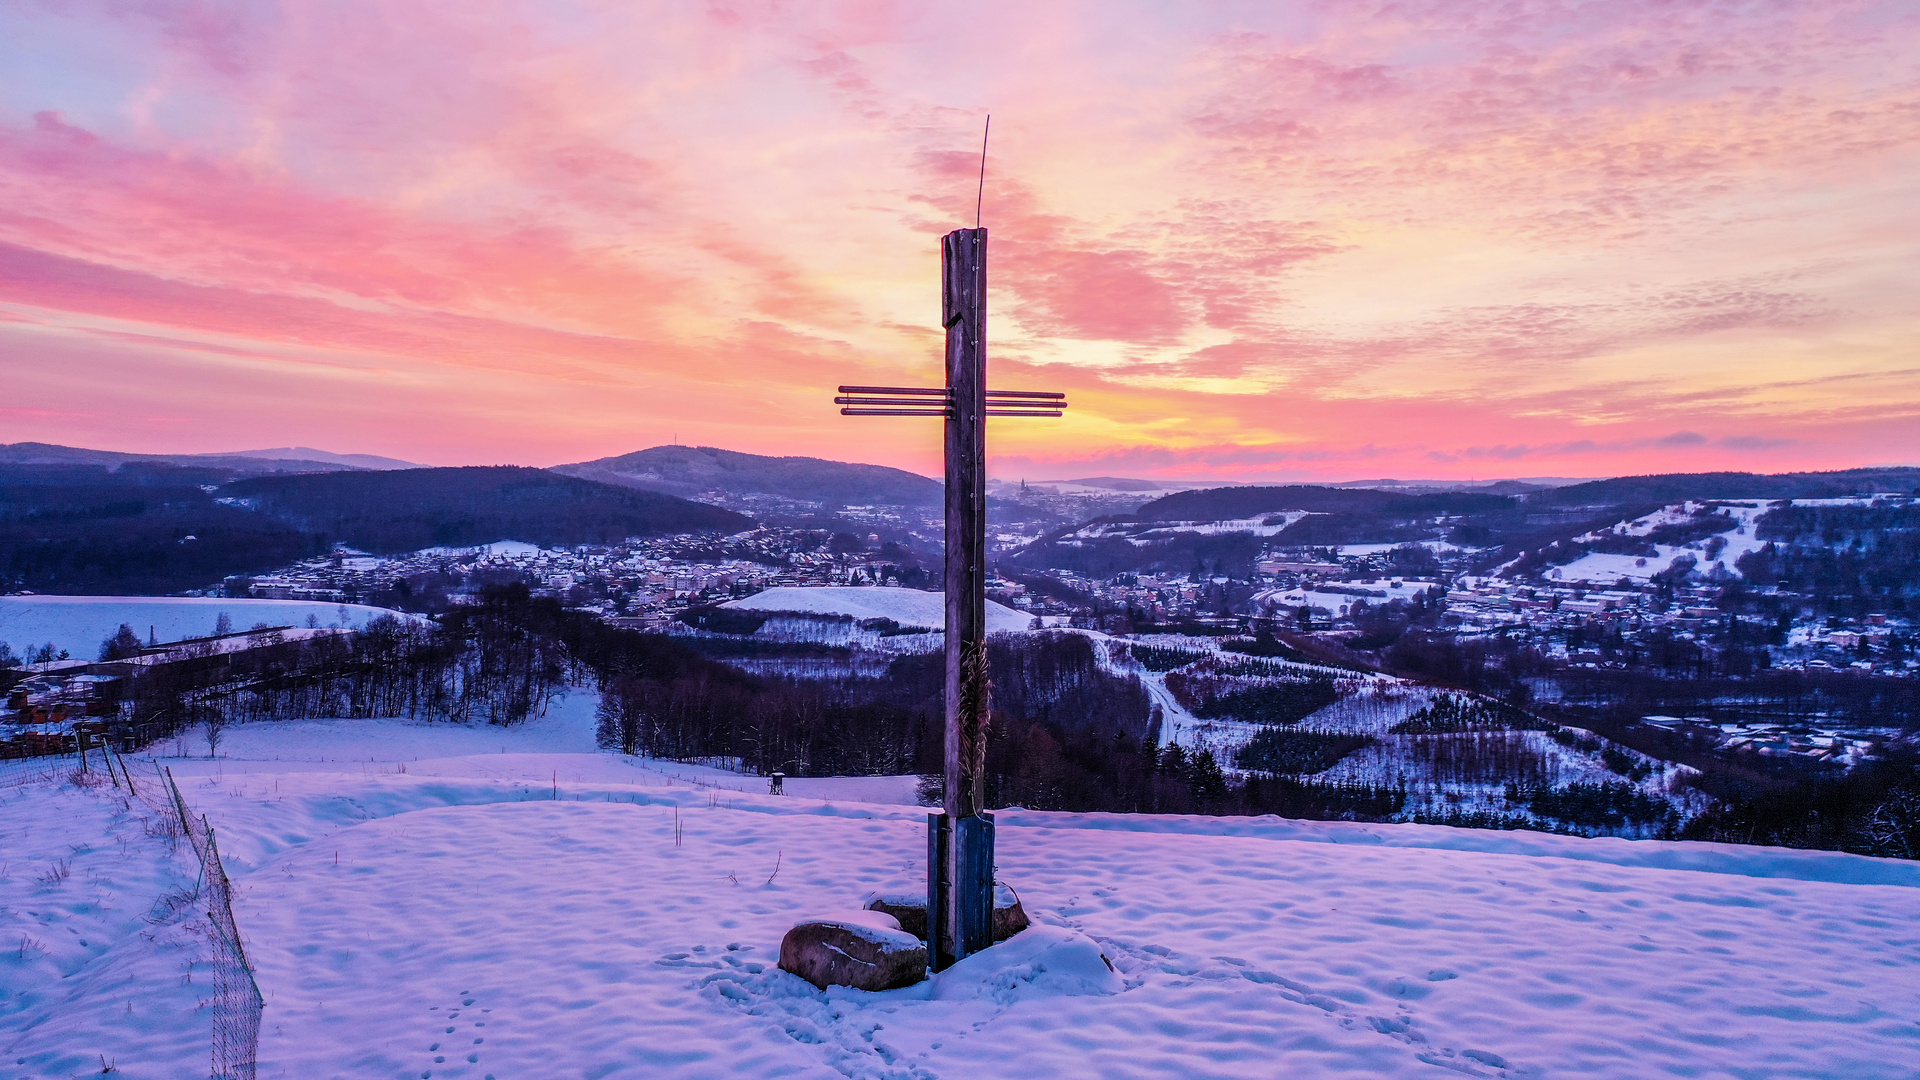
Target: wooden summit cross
(960,840)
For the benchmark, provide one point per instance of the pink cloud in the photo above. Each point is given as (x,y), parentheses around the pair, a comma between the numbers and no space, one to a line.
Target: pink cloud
(1539,230)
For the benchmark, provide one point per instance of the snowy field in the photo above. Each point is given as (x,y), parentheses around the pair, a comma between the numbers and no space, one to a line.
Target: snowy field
(79,624)
(1283,601)
(1738,538)
(440,902)
(908,607)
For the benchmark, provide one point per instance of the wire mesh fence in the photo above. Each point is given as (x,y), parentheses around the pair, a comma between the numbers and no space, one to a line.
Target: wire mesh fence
(40,756)
(16,769)
(237,1003)
(87,750)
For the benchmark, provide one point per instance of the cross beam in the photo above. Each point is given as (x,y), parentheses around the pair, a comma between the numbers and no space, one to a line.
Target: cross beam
(960,840)
(938,401)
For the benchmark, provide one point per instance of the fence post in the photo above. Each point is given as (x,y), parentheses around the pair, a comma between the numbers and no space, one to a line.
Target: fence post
(106,757)
(180,806)
(128,773)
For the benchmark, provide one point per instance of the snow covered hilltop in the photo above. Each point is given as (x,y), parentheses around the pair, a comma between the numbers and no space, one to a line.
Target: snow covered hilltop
(453,903)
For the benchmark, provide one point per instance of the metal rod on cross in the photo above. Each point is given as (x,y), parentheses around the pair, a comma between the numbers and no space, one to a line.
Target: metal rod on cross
(960,839)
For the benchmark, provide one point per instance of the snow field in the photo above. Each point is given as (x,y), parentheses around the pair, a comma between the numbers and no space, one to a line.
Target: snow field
(908,607)
(1606,568)
(537,902)
(103,961)
(1331,603)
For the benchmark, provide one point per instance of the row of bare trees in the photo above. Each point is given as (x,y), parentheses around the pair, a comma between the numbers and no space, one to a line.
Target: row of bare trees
(486,663)
(891,724)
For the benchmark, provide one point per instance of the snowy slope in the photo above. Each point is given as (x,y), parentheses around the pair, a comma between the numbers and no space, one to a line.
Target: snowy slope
(79,624)
(908,607)
(1738,537)
(1142,533)
(495,910)
(1276,602)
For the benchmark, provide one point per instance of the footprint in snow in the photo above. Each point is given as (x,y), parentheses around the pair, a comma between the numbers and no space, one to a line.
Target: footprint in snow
(1158,959)
(732,957)
(848,1040)
(451,1041)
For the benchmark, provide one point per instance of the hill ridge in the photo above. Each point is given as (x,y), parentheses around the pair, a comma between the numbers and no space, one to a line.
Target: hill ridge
(410,509)
(694,470)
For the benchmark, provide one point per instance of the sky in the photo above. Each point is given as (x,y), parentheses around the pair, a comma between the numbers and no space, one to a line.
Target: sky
(1252,241)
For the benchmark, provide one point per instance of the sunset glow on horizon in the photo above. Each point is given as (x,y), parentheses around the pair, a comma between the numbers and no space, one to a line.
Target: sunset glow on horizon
(1287,241)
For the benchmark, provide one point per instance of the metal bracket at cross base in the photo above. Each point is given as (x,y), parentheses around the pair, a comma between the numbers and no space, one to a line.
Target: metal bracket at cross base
(959,850)
(960,839)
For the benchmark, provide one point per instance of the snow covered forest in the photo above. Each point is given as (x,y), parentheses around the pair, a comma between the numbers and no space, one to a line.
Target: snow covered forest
(1081,722)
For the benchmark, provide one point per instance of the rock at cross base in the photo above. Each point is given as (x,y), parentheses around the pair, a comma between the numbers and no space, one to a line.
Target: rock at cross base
(910,908)
(1009,918)
(906,906)
(866,950)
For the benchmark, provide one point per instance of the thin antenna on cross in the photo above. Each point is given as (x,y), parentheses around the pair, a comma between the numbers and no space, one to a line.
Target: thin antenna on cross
(982,197)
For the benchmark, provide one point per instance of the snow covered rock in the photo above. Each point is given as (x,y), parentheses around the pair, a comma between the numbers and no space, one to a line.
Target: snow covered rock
(906,907)
(866,950)
(910,908)
(1009,918)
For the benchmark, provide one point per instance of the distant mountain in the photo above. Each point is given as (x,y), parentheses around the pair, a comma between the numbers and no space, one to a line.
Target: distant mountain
(1678,487)
(1504,520)
(691,471)
(1406,497)
(149,527)
(308,453)
(1498,487)
(409,509)
(230,466)
(1224,504)
(1162,536)
(1123,483)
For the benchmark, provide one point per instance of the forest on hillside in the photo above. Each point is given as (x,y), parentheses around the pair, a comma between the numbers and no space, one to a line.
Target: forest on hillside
(409,509)
(1845,560)
(153,528)
(1535,526)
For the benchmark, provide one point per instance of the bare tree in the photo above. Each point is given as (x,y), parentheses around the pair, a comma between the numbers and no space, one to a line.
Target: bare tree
(1894,826)
(216,729)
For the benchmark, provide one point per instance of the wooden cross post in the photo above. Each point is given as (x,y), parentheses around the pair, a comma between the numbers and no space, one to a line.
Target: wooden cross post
(960,839)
